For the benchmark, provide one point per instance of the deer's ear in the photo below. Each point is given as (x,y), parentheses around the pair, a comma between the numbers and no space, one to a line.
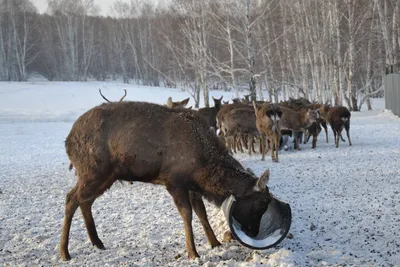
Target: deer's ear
(220,98)
(263,180)
(169,102)
(185,101)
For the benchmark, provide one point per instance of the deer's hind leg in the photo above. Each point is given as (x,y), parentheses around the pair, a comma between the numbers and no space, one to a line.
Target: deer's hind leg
(250,140)
(276,139)
(347,128)
(323,124)
(83,195)
(71,204)
(263,145)
(200,210)
(86,208)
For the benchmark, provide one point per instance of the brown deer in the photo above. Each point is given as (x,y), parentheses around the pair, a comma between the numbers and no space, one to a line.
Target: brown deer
(240,123)
(313,130)
(177,104)
(297,122)
(145,142)
(268,124)
(210,114)
(225,109)
(231,121)
(122,98)
(338,118)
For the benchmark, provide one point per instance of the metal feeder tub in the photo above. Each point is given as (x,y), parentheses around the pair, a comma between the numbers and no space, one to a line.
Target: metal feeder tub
(274,226)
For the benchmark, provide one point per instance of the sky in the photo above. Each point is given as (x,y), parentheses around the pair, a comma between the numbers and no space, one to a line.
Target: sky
(103,4)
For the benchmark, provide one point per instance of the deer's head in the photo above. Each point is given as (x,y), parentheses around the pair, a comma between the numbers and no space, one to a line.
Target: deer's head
(250,208)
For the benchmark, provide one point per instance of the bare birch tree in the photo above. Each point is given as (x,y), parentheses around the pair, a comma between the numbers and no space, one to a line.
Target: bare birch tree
(17,38)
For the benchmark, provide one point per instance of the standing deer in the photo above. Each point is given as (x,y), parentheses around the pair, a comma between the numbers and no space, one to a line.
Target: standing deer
(315,128)
(240,123)
(138,141)
(339,118)
(223,115)
(268,124)
(297,122)
(210,114)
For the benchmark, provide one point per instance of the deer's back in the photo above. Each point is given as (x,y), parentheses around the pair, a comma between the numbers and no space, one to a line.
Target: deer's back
(141,140)
(290,119)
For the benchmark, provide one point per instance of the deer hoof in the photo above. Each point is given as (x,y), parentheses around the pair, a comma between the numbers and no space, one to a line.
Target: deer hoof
(65,256)
(101,246)
(216,244)
(193,255)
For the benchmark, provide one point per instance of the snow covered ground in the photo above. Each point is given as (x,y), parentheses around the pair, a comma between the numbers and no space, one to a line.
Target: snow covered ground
(345,201)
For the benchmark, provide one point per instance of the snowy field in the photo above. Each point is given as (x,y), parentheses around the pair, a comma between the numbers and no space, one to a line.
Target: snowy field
(345,201)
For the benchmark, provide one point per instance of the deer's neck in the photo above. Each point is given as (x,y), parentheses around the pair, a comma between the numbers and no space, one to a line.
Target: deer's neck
(219,181)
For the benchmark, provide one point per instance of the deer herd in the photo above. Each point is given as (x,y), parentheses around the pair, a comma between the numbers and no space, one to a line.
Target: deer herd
(242,124)
(189,152)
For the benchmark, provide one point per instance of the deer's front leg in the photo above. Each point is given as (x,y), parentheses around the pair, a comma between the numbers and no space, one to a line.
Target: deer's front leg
(200,210)
(182,202)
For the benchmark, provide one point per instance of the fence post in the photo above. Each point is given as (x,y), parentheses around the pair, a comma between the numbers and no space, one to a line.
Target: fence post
(392,92)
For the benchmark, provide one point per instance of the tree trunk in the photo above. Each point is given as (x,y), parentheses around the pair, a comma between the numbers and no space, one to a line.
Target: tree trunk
(250,55)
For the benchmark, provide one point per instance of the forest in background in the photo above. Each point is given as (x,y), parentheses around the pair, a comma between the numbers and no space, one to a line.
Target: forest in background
(336,50)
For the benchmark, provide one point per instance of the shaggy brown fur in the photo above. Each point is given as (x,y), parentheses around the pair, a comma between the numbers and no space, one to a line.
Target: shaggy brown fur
(227,108)
(138,141)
